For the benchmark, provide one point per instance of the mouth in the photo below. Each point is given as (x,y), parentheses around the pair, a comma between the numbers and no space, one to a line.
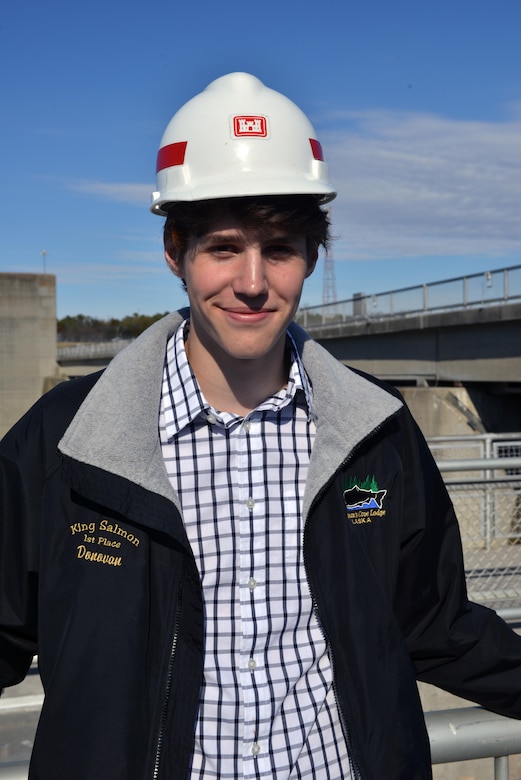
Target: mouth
(248,315)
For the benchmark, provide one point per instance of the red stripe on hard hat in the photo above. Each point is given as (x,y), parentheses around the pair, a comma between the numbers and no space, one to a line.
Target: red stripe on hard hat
(316,148)
(173,154)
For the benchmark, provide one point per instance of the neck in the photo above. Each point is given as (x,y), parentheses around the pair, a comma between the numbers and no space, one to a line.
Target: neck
(237,385)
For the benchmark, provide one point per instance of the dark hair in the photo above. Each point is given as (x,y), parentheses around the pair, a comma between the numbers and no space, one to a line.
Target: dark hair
(297,214)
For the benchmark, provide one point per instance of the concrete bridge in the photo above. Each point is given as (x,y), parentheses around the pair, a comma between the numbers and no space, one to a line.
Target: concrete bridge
(466,329)
(481,344)
(453,348)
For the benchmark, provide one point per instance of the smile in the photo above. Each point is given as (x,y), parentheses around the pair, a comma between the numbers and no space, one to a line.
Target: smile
(247,315)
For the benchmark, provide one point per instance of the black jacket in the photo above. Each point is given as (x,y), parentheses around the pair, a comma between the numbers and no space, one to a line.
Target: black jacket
(97,576)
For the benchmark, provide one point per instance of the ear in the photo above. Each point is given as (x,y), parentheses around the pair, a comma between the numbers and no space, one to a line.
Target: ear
(174,264)
(312,259)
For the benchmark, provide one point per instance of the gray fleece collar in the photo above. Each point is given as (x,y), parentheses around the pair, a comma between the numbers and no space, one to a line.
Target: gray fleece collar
(116,427)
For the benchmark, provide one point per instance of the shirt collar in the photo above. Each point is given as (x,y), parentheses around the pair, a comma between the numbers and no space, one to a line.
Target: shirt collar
(183,400)
(298,374)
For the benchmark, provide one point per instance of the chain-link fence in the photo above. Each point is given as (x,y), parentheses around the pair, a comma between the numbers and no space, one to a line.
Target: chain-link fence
(487,499)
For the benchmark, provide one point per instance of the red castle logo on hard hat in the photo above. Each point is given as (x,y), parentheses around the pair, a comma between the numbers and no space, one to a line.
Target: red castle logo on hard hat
(250,125)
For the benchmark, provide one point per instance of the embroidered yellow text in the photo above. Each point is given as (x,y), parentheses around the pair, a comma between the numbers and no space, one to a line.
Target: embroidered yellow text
(81,528)
(117,529)
(98,557)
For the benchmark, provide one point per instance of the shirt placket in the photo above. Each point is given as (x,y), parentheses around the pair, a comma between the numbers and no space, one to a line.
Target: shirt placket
(254,614)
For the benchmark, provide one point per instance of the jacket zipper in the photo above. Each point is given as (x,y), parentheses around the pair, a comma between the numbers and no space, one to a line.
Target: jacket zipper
(343,720)
(357,775)
(169,678)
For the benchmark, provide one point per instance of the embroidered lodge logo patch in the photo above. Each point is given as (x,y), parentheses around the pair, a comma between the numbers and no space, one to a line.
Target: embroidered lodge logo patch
(364,500)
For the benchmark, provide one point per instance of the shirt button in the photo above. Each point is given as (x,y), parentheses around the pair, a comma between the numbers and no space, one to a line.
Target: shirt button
(255,749)
(252,664)
(252,583)
(247,426)
(250,503)
(211,418)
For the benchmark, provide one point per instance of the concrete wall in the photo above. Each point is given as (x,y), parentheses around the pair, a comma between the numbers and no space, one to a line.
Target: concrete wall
(443,411)
(28,364)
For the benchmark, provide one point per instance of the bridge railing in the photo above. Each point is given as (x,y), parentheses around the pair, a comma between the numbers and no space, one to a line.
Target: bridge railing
(483,289)
(91,350)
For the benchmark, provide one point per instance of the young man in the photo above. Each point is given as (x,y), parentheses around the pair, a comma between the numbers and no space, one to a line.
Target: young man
(183,539)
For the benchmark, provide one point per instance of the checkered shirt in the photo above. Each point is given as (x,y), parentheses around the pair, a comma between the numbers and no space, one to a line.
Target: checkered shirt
(267,707)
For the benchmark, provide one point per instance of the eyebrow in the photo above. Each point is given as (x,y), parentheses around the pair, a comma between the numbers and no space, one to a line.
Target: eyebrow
(234,235)
(222,235)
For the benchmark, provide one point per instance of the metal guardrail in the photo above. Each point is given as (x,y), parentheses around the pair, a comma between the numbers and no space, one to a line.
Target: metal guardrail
(511,615)
(463,292)
(473,733)
(486,493)
(455,735)
(476,446)
(478,464)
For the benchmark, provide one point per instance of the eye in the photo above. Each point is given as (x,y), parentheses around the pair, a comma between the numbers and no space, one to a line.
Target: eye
(279,251)
(223,250)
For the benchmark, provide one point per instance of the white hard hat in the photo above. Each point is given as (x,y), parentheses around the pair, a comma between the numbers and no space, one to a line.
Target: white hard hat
(237,138)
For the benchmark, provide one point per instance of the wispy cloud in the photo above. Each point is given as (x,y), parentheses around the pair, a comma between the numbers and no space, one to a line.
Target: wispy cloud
(57,132)
(110,271)
(122,192)
(420,185)
(409,184)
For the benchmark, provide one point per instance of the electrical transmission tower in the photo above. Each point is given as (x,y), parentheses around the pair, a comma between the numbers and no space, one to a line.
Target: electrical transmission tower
(329,284)
(329,288)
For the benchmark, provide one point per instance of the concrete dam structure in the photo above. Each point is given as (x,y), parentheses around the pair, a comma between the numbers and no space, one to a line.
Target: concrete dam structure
(28,364)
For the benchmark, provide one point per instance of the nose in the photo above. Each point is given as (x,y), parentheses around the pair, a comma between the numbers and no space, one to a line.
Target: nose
(251,276)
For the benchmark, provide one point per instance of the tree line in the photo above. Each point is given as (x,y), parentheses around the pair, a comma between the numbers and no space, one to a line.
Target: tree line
(84,328)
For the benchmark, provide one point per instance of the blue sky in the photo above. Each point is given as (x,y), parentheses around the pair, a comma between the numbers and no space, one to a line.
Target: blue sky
(417,104)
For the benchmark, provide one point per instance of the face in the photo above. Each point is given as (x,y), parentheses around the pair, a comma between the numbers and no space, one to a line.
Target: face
(244,289)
